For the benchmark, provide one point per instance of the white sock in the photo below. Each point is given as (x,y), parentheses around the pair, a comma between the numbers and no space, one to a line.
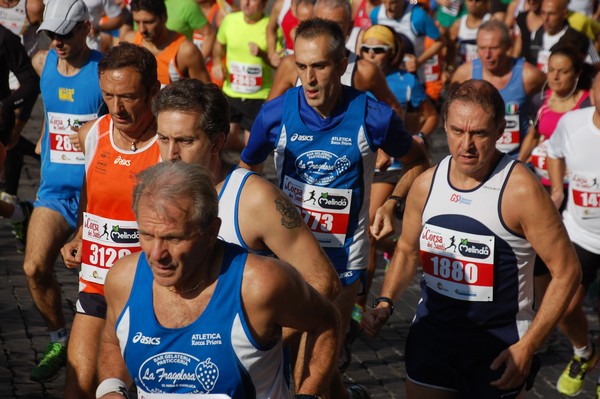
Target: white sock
(584,352)
(61,336)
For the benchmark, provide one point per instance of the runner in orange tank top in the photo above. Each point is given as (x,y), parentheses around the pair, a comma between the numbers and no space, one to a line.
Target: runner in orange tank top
(117,147)
(176,56)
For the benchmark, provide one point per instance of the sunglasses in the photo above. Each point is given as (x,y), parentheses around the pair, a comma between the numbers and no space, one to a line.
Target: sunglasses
(62,38)
(377,49)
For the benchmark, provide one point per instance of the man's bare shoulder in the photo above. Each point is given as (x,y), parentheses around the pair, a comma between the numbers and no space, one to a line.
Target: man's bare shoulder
(121,275)
(129,36)
(463,73)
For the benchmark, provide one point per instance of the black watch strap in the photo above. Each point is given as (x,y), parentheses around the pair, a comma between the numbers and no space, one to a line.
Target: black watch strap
(386,300)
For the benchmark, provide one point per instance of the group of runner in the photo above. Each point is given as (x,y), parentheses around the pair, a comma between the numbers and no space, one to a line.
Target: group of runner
(345,163)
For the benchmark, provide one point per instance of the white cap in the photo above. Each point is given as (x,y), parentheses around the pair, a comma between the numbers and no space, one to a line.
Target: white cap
(61,16)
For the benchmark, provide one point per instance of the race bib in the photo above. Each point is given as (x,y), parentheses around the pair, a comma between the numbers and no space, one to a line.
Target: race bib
(452,9)
(458,265)
(586,195)
(245,78)
(511,137)
(538,159)
(469,52)
(60,128)
(146,395)
(325,210)
(542,60)
(432,69)
(104,241)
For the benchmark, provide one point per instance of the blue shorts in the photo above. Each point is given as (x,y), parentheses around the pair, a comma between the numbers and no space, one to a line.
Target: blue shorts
(349,277)
(436,360)
(67,207)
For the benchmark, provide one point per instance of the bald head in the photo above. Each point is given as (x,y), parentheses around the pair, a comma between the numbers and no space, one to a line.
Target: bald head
(554,15)
(338,11)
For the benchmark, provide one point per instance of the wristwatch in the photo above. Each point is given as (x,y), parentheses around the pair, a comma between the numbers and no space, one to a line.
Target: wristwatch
(386,300)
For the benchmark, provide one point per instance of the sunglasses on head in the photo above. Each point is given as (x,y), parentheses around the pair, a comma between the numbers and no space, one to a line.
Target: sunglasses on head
(377,49)
(67,36)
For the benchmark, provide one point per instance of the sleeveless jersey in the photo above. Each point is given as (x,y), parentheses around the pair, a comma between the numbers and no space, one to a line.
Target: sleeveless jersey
(69,101)
(109,226)
(477,274)
(328,175)
(287,21)
(214,354)
(167,59)
(229,199)
(547,121)
(515,98)
(467,40)
(362,19)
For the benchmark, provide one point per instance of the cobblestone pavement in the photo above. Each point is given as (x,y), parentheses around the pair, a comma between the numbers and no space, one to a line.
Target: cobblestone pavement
(377,364)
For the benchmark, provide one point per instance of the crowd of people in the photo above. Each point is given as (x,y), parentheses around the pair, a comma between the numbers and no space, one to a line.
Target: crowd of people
(197,277)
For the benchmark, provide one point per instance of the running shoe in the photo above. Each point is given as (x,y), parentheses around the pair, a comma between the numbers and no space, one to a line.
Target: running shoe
(358,392)
(52,361)
(20,228)
(570,382)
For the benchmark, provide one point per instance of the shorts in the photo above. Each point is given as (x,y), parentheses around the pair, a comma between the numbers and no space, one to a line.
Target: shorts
(435,360)
(66,207)
(91,305)
(388,176)
(590,263)
(243,111)
(349,277)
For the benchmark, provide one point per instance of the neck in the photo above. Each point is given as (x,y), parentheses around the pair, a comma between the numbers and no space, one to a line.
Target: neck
(207,271)
(252,19)
(71,65)
(329,106)
(134,139)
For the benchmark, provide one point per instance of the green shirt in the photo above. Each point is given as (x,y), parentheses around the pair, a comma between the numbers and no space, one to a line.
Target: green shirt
(184,16)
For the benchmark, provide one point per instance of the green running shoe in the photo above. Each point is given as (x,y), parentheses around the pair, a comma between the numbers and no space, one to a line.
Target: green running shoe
(570,382)
(53,360)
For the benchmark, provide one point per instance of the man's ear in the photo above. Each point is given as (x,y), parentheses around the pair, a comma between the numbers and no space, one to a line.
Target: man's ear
(218,143)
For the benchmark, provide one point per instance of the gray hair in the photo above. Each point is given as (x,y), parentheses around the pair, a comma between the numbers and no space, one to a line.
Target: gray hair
(192,95)
(498,26)
(170,181)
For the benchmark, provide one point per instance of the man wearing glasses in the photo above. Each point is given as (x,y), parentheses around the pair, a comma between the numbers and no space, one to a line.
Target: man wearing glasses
(71,96)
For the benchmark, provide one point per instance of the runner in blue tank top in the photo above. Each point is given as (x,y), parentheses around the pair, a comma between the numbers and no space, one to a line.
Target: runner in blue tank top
(326,137)
(194,315)
(516,80)
(71,95)
(474,223)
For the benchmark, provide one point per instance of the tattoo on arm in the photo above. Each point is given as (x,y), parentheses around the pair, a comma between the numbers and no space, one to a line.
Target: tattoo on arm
(290,217)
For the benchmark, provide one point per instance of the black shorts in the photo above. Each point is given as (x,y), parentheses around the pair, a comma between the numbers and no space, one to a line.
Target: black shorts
(388,176)
(91,304)
(243,111)
(435,360)
(590,263)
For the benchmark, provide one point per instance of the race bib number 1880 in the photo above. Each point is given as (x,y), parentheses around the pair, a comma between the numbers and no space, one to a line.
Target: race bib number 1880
(458,265)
